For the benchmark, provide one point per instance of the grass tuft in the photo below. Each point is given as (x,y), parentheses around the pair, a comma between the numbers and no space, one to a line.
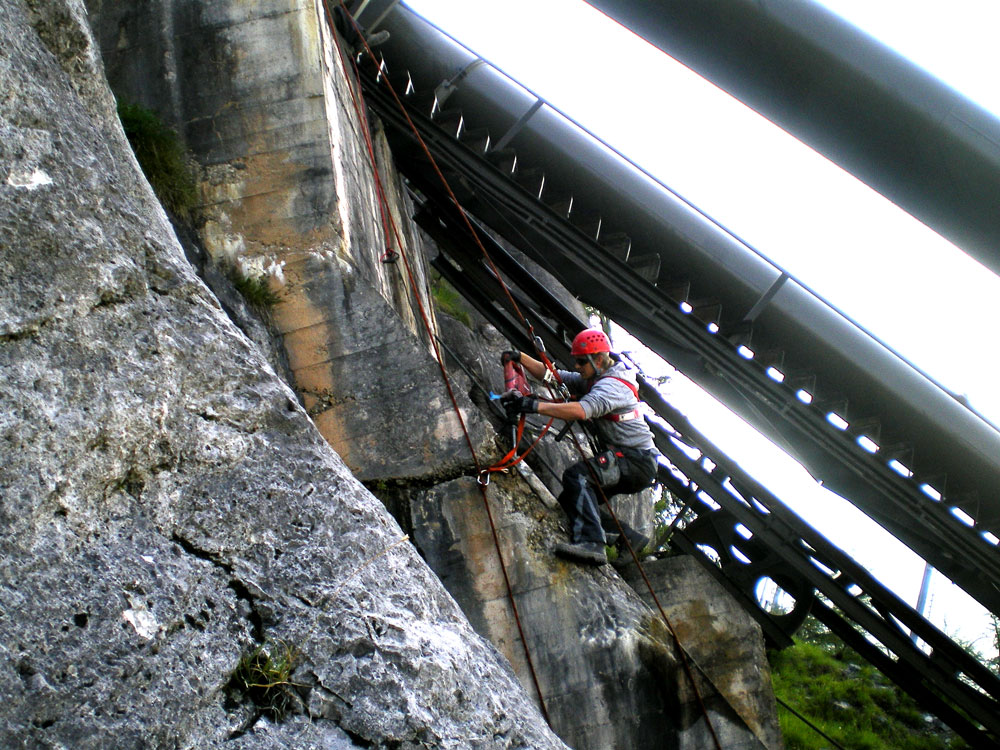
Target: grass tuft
(449,301)
(254,289)
(264,676)
(162,158)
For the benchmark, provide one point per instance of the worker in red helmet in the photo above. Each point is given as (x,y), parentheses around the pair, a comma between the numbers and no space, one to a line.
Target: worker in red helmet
(604,391)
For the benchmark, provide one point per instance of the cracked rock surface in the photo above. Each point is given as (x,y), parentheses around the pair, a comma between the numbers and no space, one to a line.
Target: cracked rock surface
(165,504)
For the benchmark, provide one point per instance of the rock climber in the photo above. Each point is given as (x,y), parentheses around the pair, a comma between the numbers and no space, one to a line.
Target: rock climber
(604,391)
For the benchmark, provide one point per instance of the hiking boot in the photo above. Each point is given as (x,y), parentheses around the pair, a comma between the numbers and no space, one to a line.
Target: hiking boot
(589,553)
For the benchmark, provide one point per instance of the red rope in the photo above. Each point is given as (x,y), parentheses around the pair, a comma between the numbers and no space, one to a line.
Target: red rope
(426,323)
(544,359)
(512,459)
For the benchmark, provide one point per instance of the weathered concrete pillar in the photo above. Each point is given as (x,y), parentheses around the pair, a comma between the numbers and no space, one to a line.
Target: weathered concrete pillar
(261,93)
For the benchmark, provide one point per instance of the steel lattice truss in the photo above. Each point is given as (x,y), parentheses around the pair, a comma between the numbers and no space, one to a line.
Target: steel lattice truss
(750,532)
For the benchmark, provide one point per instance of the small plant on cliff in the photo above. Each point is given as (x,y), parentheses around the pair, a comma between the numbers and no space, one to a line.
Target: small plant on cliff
(254,289)
(162,158)
(264,676)
(666,508)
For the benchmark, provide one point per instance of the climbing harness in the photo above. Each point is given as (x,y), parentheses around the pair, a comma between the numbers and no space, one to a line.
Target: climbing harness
(624,416)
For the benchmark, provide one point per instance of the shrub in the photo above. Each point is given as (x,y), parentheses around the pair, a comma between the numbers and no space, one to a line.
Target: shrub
(848,699)
(254,289)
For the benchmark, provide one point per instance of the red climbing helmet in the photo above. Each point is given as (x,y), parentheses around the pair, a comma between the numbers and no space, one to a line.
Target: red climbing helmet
(590,341)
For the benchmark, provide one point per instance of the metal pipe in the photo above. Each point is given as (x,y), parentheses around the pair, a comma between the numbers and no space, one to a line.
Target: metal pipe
(858,102)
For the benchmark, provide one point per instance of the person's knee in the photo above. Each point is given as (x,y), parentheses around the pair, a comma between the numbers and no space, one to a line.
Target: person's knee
(574,474)
(573,485)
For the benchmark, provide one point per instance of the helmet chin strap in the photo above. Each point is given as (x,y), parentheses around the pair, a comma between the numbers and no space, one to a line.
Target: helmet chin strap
(597,368)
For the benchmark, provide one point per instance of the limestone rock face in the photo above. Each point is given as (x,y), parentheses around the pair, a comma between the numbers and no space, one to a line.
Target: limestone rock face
(721,638)
(607,667)
(586,631)
(165,502)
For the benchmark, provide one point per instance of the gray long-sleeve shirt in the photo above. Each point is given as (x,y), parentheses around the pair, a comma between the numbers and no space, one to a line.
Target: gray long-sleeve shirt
(608,395)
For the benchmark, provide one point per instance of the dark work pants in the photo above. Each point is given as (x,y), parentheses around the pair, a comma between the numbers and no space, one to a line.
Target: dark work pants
(618,472)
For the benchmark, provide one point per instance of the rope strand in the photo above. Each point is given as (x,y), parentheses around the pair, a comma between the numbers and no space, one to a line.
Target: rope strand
(433,339)
(545,360)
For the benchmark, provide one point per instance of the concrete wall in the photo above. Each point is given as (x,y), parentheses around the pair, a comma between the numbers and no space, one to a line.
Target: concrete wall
(261,95)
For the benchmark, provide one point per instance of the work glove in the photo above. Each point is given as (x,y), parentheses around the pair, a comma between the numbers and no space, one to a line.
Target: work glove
(511,355)
(515,405)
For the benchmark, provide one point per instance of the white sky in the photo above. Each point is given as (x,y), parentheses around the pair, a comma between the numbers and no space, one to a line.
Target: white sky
(891,273)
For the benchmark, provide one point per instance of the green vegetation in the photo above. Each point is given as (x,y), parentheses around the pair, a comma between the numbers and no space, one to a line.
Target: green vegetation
(449,301)
(162,158)
(263,676)
(970,647)
(849,700)
(255,289)
(665,510)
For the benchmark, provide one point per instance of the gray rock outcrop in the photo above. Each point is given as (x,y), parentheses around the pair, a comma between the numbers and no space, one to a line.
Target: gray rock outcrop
(166,503)
(721,638)
(608,667)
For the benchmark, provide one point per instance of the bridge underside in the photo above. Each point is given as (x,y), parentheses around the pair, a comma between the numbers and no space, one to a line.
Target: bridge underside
(733,323)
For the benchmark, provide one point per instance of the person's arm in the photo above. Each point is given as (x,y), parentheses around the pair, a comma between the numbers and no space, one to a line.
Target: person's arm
(532,366)
(566,410)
